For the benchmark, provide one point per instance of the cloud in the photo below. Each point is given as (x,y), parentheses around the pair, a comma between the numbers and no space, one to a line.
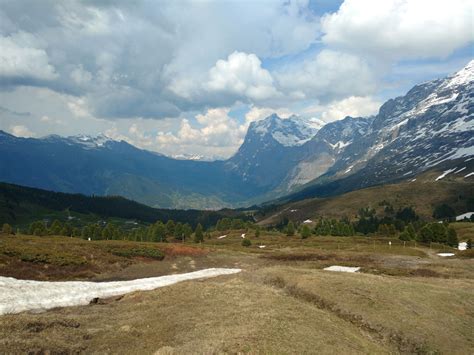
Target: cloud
(136,59)
(21,60)
(241,75)
(327,76)
(216,133)
(397,29)
(354,106)
(21,131)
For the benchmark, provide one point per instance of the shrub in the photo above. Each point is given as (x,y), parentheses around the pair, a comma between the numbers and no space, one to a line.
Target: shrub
(7,229)
(134,252)
(404,236)
(246,243)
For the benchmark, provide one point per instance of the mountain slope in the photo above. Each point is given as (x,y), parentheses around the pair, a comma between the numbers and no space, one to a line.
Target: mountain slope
(21,205)
(424,193)
(432,124)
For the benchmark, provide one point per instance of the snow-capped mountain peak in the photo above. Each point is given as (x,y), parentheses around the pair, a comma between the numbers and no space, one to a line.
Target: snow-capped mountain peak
(289,132)
(462,77)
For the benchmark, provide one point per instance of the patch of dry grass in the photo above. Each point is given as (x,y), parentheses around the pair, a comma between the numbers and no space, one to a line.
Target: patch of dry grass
(416,315)
(465,230)
(223,315)
(406,299)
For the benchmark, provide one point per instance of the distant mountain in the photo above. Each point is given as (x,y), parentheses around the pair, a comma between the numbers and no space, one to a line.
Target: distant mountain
(431,125)
(99,166)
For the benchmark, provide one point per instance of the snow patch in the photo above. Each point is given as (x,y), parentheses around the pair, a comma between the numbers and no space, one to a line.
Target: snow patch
(242,236)
(464,215)
(26,295)
(339,144)
(222,236)
(462,246)
(443,175)
(342,268)
(445,254)
(470,174)
(308,221)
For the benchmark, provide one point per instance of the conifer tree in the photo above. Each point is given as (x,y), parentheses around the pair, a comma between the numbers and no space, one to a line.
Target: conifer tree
(55,228)
(452,237)
(305,232)
(159,232)
(290,229)
(187,231)
(170,228)
(198,234)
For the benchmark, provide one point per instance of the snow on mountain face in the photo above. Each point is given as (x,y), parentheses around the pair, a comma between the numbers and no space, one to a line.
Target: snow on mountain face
(289,132)
(432,123)
(87,142)
(90,142)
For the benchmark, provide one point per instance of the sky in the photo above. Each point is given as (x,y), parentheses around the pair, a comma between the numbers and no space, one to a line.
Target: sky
(188,77)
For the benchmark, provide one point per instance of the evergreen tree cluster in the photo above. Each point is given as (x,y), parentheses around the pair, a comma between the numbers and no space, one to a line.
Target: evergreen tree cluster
(438,233)
(226,223)
(334,227)
(156,232)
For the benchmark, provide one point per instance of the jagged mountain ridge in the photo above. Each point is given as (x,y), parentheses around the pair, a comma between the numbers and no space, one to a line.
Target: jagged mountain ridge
(430,125)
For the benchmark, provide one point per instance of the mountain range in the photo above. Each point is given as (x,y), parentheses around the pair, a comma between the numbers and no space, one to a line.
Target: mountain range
(293,158)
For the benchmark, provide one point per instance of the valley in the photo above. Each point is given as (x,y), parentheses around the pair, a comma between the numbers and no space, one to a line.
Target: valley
(431,126)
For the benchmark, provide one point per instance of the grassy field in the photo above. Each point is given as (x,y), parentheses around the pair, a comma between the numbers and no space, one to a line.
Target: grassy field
(406,299)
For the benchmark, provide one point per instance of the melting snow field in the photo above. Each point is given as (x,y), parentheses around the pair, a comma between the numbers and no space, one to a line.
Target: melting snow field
(342,268)
(25,295)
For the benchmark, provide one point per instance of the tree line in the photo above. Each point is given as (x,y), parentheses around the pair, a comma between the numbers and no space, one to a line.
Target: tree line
(156,232)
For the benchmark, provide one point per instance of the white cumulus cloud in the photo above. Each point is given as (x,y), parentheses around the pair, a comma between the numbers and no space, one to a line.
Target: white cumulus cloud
(401,28)
(355,106)
(216,134)
(328,76)
(241,74)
